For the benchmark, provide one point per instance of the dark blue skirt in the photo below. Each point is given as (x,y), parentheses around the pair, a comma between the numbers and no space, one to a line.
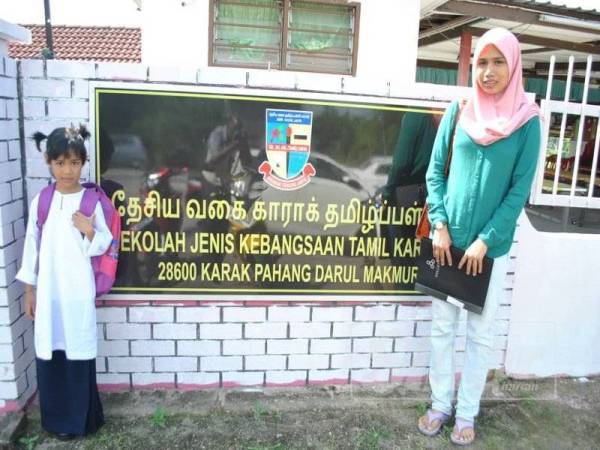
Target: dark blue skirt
(68,393)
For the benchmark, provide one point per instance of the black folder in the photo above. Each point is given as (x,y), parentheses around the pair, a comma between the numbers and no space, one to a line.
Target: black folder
(450,284)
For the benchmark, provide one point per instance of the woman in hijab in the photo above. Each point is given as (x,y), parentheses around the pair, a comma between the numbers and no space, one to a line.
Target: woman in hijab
(495,151)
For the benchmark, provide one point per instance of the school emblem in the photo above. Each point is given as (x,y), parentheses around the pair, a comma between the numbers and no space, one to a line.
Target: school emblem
(287,141)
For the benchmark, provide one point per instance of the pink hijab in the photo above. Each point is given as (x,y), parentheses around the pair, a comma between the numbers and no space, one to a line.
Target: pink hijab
(488,118)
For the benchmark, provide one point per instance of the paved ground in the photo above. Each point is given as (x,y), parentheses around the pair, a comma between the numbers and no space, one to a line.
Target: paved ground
(546,414)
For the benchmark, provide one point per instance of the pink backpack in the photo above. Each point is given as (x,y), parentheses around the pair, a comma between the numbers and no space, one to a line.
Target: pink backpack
(105,265)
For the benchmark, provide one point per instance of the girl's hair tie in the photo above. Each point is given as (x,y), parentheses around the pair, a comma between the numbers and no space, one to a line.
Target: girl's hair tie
(74,134)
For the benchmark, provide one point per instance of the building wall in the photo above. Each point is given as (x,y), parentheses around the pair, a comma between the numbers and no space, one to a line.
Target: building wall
(223,344)
(178,35)
(194,345)
(17,371)
(555,326)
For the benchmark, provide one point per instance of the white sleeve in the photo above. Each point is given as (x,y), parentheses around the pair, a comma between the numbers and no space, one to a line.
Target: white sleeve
(27,273)
(102,236)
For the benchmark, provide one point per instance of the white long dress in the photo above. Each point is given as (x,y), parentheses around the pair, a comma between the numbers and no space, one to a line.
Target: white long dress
(65,314)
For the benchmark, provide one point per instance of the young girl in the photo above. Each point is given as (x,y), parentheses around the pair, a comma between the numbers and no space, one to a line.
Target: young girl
(60,291)
(496,145)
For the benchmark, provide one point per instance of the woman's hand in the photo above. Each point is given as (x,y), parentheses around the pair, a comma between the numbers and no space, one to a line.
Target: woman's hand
(441,246)
(84,224)
(30,302)
(473,257)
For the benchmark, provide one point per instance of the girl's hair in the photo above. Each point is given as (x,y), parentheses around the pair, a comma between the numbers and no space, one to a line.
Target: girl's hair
(63,141)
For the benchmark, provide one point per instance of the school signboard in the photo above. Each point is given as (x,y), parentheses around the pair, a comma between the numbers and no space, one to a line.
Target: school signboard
(254,194)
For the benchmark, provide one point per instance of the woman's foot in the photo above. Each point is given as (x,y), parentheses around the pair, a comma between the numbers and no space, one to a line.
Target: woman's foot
(432,422)
(463,432)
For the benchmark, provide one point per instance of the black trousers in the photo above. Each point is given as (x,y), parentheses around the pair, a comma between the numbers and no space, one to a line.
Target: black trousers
(69,400)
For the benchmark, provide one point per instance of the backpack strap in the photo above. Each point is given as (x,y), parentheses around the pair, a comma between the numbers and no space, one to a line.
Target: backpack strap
(90,198)
(44,202)
(43,208)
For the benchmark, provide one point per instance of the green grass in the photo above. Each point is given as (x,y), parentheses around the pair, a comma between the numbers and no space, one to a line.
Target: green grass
(446,432)
(277,446)
(261,412)
(159,418)
(371,439)
(421,408)
(29,442)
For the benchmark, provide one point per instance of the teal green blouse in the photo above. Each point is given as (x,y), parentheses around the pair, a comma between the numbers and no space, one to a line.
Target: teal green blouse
(487,186)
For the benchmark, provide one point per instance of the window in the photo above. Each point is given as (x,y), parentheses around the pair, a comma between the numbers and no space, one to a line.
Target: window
(297,35)
(569,170)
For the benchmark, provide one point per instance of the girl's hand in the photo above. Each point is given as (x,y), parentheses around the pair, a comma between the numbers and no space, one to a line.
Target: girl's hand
(84,224)
(30,302)
(441,246)
(473,257)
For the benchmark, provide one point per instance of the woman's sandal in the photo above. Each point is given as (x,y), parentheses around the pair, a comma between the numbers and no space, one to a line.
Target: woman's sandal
(460,426)
(432,416)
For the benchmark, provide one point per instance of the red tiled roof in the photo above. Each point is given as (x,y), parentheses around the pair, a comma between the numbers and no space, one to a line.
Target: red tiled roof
(116,44)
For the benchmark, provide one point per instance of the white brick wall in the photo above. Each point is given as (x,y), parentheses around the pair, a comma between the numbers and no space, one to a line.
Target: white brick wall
(285,378)
(197,379)
(176,364)
(121,71)
(421,359)
(370,345)
(268,362)
(173,74)
(220,331)
(369,375)
(174,331)
(191,314)
(410,343)
(287,346)
(70,69)
(382,343)
(152,379)
(220,363)
(391,360)
(244,347)
(393,329)
(310,330)
(32,68)
(127,331)
(198,348)
(68,109)
(47,88)
(383,312)
(338,376)
(151,314)
(130,364)
(240,314)
(113,348)
(353,329)
(289,314)
(111,315)
(410,374)
(153,347)
(114,379)
(330,345)
(308,362)
(17,368)
(351,361)
(331,314)
(265,330)
(233,379)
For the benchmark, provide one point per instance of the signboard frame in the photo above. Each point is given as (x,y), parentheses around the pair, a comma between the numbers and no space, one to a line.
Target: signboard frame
(261,94)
